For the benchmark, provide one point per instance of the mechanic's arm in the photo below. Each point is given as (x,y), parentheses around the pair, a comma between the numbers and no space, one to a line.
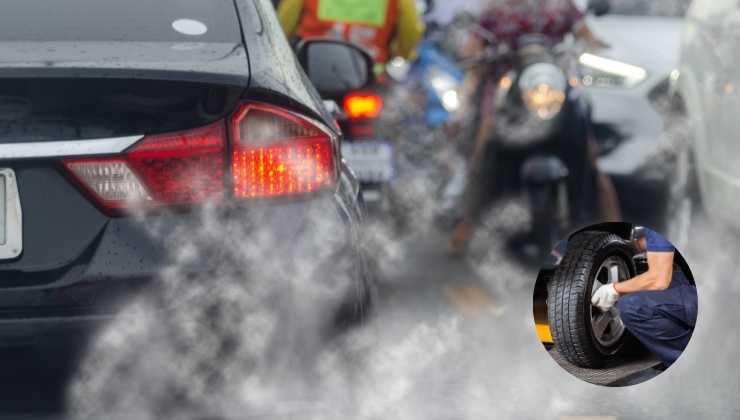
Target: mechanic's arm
(289,14)
(409,29)
(656,278)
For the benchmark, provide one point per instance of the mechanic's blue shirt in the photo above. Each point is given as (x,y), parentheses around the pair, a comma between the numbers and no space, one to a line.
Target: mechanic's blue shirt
(657,243)
(662,320)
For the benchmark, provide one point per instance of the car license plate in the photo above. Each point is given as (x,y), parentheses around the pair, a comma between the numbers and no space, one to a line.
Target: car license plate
(11,243)
(371,161)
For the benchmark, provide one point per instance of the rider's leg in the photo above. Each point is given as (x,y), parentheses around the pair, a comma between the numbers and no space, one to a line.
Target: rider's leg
(477,192)
(609,210)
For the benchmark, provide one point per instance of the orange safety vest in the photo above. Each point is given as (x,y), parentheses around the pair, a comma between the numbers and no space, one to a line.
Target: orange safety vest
(375,39)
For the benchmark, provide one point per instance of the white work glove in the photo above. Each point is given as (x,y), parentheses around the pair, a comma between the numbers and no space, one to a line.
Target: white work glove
(605,297)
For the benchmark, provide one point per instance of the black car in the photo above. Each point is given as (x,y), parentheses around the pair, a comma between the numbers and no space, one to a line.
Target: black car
(121,123)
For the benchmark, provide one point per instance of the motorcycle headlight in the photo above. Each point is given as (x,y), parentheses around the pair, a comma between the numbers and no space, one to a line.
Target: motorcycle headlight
(605,72)
(446,88)
(543,88)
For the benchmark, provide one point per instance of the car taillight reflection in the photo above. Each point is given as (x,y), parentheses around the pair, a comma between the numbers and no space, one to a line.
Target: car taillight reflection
(363,105)
(274,152)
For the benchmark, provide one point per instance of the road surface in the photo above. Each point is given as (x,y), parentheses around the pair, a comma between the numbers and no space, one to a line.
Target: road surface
(453,338)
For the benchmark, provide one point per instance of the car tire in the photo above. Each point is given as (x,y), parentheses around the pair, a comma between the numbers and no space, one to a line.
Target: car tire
(359,304)
(582,334)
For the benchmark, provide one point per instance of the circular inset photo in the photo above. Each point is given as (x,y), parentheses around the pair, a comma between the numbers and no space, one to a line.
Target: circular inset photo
(615,304)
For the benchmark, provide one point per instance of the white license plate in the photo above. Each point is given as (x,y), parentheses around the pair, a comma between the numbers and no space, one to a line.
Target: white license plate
(371,161)
(11,224)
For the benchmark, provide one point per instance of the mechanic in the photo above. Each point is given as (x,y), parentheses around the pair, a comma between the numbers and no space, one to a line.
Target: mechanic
(659,306)
(385,28)
(509,19)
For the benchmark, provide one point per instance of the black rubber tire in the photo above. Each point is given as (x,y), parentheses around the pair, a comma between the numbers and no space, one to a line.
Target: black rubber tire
(356,309)
(359,304)
(569,299)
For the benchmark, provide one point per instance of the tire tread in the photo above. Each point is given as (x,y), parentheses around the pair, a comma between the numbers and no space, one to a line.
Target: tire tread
(566,292)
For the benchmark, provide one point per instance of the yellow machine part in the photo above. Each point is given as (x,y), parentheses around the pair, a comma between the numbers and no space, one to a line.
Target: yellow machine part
(541,324)
(543,332)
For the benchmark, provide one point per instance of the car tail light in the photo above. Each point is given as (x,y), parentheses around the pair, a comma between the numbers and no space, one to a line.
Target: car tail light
(170,169)
(274,153)
(279,153)
(363,105)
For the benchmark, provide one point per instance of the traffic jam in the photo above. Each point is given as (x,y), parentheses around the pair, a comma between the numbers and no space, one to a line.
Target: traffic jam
(365,209)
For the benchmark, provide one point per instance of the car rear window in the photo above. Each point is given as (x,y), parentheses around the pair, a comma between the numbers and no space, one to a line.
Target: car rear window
(119,20)
(49,109)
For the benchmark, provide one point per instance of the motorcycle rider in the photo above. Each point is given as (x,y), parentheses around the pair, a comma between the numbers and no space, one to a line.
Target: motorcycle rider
(508,19)
(385,28)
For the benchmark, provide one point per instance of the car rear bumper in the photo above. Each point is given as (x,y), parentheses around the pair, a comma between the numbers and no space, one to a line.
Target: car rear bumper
(125,261)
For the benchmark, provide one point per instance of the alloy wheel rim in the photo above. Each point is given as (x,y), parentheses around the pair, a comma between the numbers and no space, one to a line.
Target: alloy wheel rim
(607,327)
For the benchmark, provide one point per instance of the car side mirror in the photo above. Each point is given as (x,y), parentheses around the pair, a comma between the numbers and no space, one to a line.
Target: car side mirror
(599,7)
(335,67)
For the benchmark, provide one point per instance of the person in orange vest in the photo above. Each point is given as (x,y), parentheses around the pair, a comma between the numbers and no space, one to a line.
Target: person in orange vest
(385,28)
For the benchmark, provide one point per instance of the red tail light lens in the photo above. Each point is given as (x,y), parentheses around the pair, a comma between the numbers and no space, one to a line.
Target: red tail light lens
(363,105)
(182,168)
(275,152)
(169,169)
(110,181)
(279,153)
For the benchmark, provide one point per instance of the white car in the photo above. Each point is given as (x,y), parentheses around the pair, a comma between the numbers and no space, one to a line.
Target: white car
(709,86)
(625,83)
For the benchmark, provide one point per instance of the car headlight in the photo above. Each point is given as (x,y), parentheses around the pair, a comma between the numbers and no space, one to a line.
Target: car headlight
(446,88)
(604,72)
(543,88)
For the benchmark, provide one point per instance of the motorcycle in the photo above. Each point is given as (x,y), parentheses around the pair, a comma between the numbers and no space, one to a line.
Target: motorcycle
(427,108)
(542,123)
(370,154)
(397,139)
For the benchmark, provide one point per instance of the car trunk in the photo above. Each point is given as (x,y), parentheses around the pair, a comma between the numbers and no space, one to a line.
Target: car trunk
(62,226)
(58,109)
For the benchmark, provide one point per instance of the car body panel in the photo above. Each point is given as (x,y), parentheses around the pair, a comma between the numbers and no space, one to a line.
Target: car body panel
(631,130)
(112,20)
(630,109)
(123,40)
(274,68)
(218,63)
(650,42)
(709,85)
(124,254)
(41,185)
